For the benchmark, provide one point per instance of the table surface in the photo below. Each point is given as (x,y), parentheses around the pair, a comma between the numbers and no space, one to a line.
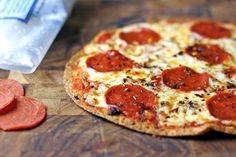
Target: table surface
(70,131)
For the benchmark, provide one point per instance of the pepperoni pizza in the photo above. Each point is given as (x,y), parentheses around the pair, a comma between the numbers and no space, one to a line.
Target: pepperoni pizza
(167,78)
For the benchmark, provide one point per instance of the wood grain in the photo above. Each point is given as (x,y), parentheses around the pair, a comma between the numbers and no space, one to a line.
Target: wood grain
(70,131)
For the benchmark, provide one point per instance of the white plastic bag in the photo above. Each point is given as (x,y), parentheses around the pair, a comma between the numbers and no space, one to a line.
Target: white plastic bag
(27,29)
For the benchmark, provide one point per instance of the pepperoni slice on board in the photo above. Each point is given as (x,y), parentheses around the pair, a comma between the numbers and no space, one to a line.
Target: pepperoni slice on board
(140,37)
(211,29)
(14,86)
(6,98)
(25,114)
(109,61)
(132,101)
(185,79)
(223,106)
(104,36)
(212,54)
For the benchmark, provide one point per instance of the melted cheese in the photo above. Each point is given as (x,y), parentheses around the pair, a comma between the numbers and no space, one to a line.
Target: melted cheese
(175,108)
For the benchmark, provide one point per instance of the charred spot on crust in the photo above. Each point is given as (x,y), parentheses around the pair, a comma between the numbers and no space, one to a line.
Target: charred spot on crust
(76,97)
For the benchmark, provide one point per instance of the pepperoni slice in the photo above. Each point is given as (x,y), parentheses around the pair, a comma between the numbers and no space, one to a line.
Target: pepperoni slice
(26,114)
(141,36)
(211,30)
(6,98)
(185,79)
(104,36)
(223,106)
(13,85)
(132,101)
(109,61)
(212,54)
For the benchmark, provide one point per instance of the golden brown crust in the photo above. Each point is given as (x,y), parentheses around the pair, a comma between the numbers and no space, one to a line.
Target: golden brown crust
(144,127)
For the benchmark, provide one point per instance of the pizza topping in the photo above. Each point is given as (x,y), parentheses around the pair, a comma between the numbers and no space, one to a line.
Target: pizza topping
(109,61)
(78,84)
(230,72)
(113,110)
(154,83)
(104,36)
(25,114)
(223,106)
(140,37)
(13,85)
(155,74)
(211,30)
(199,95)
(156,80)
(212,54)
(230,85)
(185,79)
(6,98)
(133,101)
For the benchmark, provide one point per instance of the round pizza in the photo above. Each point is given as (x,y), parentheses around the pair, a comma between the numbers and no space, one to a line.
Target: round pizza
(165,78)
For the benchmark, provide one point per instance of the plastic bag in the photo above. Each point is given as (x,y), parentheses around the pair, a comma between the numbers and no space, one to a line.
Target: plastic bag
(27,29)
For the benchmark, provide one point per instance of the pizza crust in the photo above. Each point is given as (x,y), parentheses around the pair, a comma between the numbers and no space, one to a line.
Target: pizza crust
(138,126)
(143,127)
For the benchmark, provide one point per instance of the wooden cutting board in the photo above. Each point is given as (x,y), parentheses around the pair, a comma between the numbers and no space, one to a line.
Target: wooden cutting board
(70,131)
